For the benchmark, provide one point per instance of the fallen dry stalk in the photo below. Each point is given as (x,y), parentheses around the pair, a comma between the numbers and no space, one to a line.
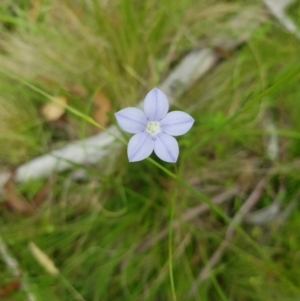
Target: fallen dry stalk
(215,258)
(269,213)
(278,9)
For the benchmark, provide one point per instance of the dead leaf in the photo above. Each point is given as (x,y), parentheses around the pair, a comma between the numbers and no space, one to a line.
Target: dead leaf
(34,9)
(14,200)
(223,53)
(102,106)
(17,202)
(77,90)
(55,109)
(43,259)
(42,193)
(9,288)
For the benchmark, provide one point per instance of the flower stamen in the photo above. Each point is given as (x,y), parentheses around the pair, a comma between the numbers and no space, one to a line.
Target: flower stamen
(153,127)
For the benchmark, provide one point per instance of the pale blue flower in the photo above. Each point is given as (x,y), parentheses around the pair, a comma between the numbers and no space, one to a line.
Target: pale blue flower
(154,128)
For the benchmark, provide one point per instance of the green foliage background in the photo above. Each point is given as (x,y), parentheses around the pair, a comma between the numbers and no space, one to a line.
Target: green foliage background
(91,229)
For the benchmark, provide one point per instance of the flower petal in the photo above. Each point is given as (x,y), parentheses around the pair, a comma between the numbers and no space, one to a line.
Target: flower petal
(176,123)
(156,105)
(132,120)
(166,147)
(140,147)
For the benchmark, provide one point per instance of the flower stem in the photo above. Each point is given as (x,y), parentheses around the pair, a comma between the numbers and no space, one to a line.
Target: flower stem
(169,173)
(171,272)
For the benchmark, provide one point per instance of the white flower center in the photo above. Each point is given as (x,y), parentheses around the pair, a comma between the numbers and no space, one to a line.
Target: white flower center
(153,127)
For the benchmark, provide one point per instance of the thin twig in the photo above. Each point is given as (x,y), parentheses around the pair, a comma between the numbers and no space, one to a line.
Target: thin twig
(267,214)
(188,215)
(13,266)
(215,258)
